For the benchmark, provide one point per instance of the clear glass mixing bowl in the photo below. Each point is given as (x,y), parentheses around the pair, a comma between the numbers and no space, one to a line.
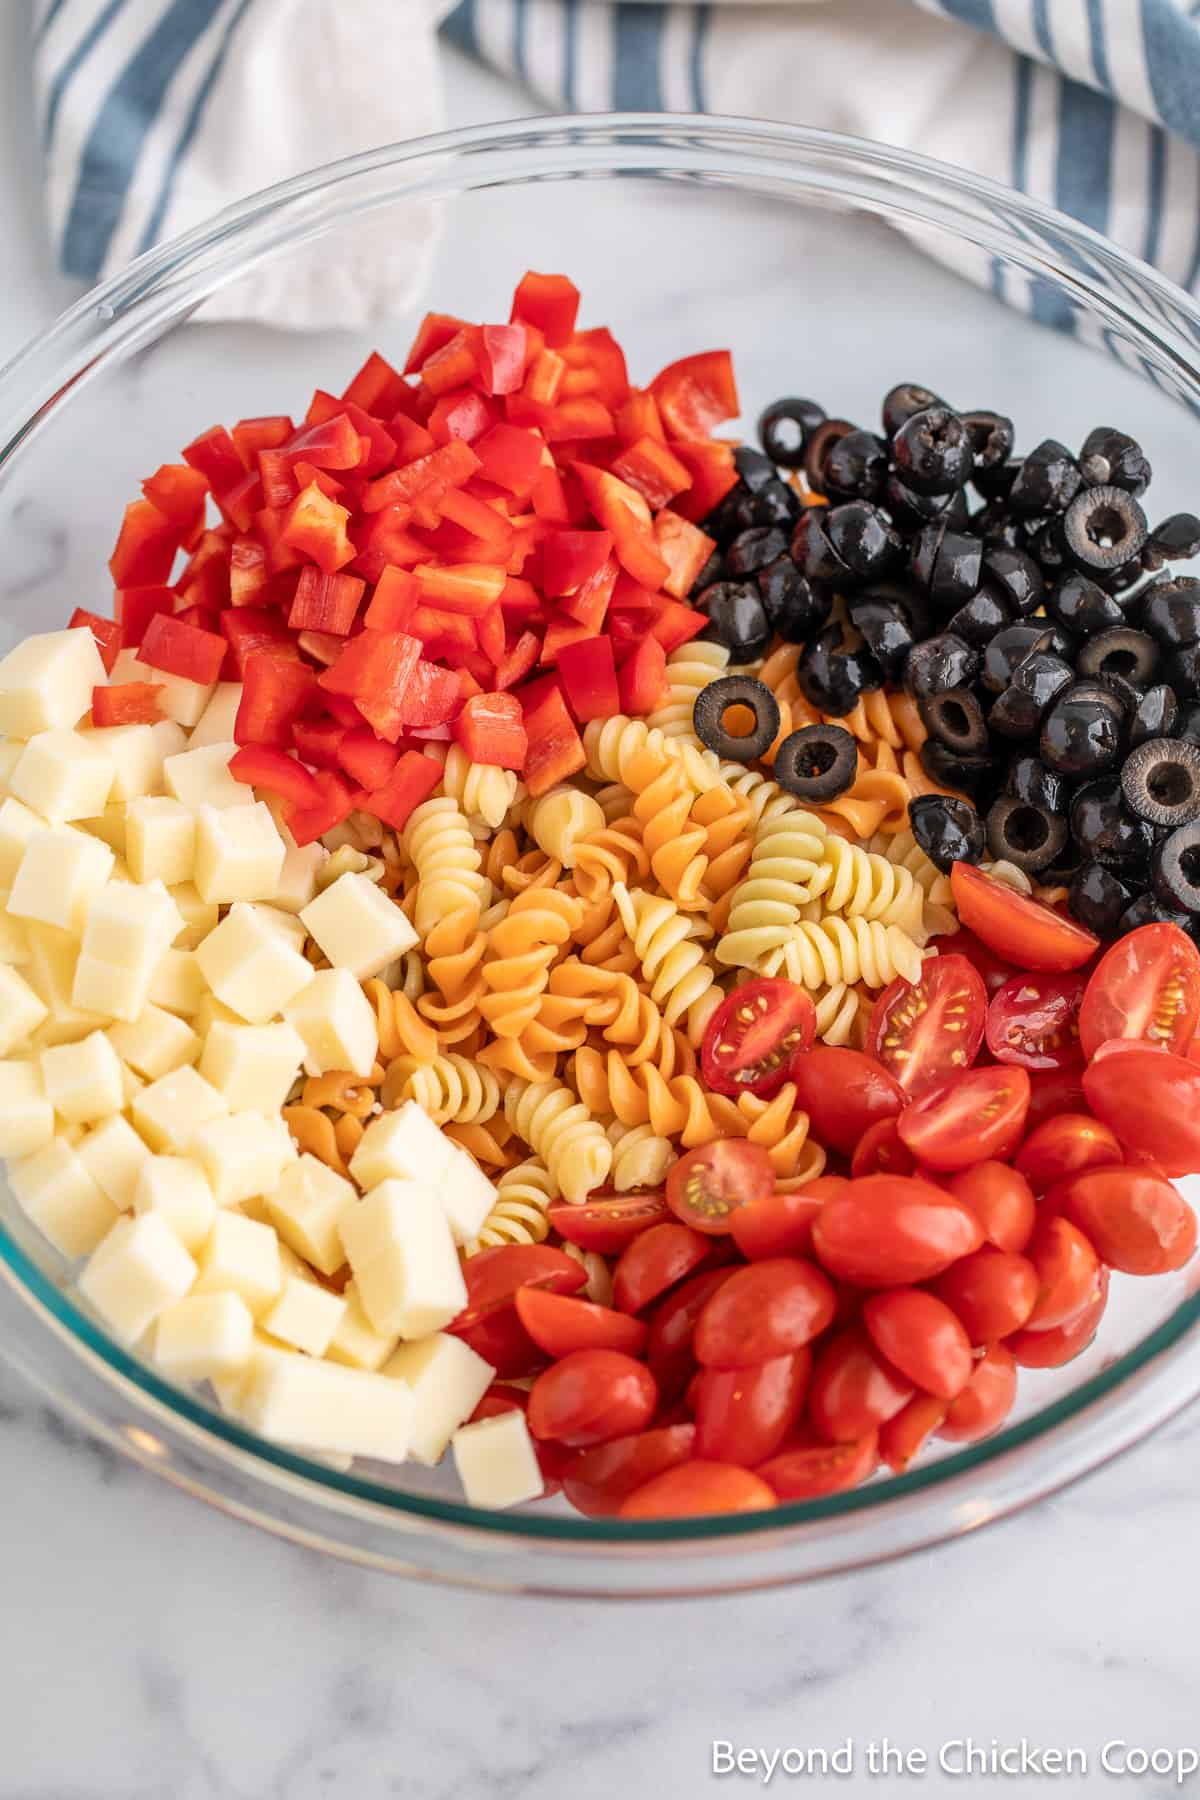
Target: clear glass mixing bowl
(683,234)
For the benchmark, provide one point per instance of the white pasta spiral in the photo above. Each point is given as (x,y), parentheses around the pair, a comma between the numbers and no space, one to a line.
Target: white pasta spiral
(690,669)
(837,1010)
(862,885)
(483,792)
(617,749)
(640,1158)
(664,942)
(820,953)
(443,852)
(560,1129)
(559,818)
(599,1288)
(519,1214)
(452,1089)
(903,849)
(787,867)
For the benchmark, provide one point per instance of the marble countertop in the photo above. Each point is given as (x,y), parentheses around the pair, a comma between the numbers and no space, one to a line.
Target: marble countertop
(153,1648)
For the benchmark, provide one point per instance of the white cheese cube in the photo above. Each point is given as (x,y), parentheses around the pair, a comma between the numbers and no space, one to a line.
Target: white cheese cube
(242,1256)
(337,1023)
(239,853)
(178,1190)
(356,1341)
(63,776)
(83,1080)
(47,681)
(254,1066)
(247,965)
(178,984)
(285,925)
(200,777)
(102,987)
(304,1315)
(182,701)
(59,1196)
(109,827)
(447,1379)
(58,874)
(358,927)
(216,723)
(199,916)
(137,753)
(404,1145)
(131,1085)
(113,1155)
(155,1043)
(170,1111)
(26,1116)
(130,926)
(135,1274)
(204,1337)
(298,877)
(466,1194)
(10,756)
(243,1155)
(21,1009)
(160,840)
(398,1244)
(53,958)
(306,1206)
(497,1461)
(17,825)
(212,1011)
(14,941)
(317,1406)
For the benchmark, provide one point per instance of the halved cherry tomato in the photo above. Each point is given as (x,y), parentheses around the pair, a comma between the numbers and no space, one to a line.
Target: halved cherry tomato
(755,1036)
(598,1480)
(558,1324)
(608,1222)
(844,1093)
(1147,987)
(1001,1199)
(1029,934)
(1062,1343)
(986,1401)
(853,1390)
(927,1030)
(767,1309)
(992,970)
(1064,1145)
(881,1151)
(1033,1020)
(489,1322)
(975,1117)
(744,1415)
(893,1230)
(591,1396)
(993,1292)
(695,1488)
(1053,1091)
(922,1337)
(1066,1267)
(810,1471)
(706,1187)
(1137,1222)
(910,1430)
(1151,1099)
(655,1261)
(669,1346)
(780,1224)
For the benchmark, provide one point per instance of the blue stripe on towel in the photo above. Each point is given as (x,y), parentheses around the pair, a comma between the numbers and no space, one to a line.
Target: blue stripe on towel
(51,13)
(570,50)
(1173,63)
(1095,13)
(79,54)
(459,27)
(637,43)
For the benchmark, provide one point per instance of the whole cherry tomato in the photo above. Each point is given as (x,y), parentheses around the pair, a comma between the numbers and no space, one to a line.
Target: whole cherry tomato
(1066,1266)
(781,1223)
(844,1093)
(1151,1099)
(591,1396)
(654,1262)
(1063,1146)
(1146,987)
(811,1470)
(706,1187)
(975,1117)
(559,1323)
(922,1337)
(765,1310)
(1062,1343)
(1001,1199)
(986,1401)
(669,1347)
(927,1030)
(993,1292)
(901,1436)
(852,1389)
(744,1415)
(597,1481)
(893,1230)
(881,1151)
(695,1488)
(1028,934)
(1033,1020)
(753,1039)
(608,1222)
(1137,1222)
(1054,1091)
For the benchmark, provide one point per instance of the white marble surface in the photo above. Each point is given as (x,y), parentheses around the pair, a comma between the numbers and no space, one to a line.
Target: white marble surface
(150,1648)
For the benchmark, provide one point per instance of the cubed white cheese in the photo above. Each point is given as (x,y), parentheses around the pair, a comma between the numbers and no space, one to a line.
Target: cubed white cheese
(53,958)
(83,1080)
(155,1042)
(102,987)
(216,724)
(56,1192)
(137,754)
(212,1011)
(318,1406)
(337,1023)
(200,777)
(243,1155)
(21,1010)
(241,1256)
(398,1244)
(298,877)
(357,926)
(447,1379)
(160,840)
(304,1314)
(178,985)
(178,1190)
(135,1274)
(169,1112)
(63,775)
(199,916)
(47,681)
(26,1116)
(14,941)
(58,874)
(130,926)
(497,1461)
(109,827)
(356,1341)
(466,1194)
(113,1155)
(182,701)
(10,756)
(306,1206)
(18,823)
(285,925)
(404,1145)
(204,1337)
(247,965)
(254,1066)
(239,853)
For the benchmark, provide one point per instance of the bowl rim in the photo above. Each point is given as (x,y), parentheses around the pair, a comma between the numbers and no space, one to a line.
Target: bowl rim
(222,248)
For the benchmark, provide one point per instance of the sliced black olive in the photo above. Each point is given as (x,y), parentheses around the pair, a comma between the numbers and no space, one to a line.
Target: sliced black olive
(1130,654)
(796,607)
(976,776)
(885,630)
(948,830)
(1030,779)
(981,618)
(1124,691)
(1155,715)
(1176,539)
(1182,671)
(1081,733)
(909,510)
(833,676)
(932,451)
(1048,547)
(855,467)
(820,442)
(785,427)
(991,436)
(926,548)
(816,763)
(1105,829)
(712,571)
(1081,607)
(1148,909)
(1036,680)
(755,469)
(737,618)
(812,551)
(776,504)
(1047,481)
(1187,724)
(1024,834)
(716,700)
(939,663)
(1161,781)
(863,537)
(754,549)
(1017,576)
(734,512)
(1175,869)
(956,719)
(1170,611)
(1098,898)
(994,480)
(1104,528)
(1008,649)
(901,402)
(1111,457)
(958,569)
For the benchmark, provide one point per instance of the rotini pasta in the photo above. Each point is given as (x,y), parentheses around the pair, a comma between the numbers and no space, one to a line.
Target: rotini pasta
(820,953)
(519,1215)
(484,794)
(782,1131)
(787,867)
(690,669)
(863,885)
(559,819)
(640,1158)
(665,943)
(442,850)
(561,1130)
(451,1089)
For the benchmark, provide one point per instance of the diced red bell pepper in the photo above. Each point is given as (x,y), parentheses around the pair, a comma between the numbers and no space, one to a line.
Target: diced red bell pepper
(626,515)
(252,435)
(638,417)
(318,741)
(559,633)
(411,781)
(377,387)
(469,588)
(463,413)
(322,646)
(179,494)
(571,558)
(550,302)
(414,440)
(328,442)
(129,703)
(518,661)
(641,679)
(146,546)
(589,678)
(675,624)
(276,690)
(106,632)
(510,457)
(684,548)
(326,602)
(653,470)
(247,571)
(575,419)
(396,596)
(474,516)
(337,801)
(446,636)
(277,476)
(367,759)
(181,649)
(265,766)
(454,364)
(548,497)
(240,502)
(598,351)
(341,708)
(204,618)
(696,394)
(492,634)
(491,729)
(544,381)
(209,560)
(589,606)
(521,601)
(316,527)
(432,696)
(249,629)
(307,473)
(384,537)
(134,608)
(380,446)
(434,331)
(374,671)
(502,352)
(215,455)
(449,466)
(555,747)
(713,473)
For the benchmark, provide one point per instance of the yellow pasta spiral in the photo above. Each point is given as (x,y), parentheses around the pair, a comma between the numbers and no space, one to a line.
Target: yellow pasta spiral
(674,844)
(489,1144)
(401,1029)
(520,951)
(838,1009)
(786,869)
(664,942)
(455,948)
(599,1286)
(677,1108)
(443,852)
(822,952)
(862,885)
(614,853)
(523,1194)
(902,848)
(626,750)
(451,1088)
(640,1158)
(563,1133)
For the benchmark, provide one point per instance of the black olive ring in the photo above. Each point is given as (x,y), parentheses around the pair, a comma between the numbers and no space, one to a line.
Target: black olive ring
(817,763)
(714,701)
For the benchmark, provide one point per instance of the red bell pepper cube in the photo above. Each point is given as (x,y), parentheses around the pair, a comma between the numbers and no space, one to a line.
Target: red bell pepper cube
(544,380)
(638,417)
(589,606)
(631,596)
(276,690)
(247,571)
(326,602)
(641,679)
(589,678)
(323,647)
(434,331)
(307,473)
(449,466)
(265,766)
(413,439)
(328,442)
(249,629)
(318,741)
(411,781)
(204,618)
(431,696)
(684,548)
(277,478)
(239,503)
(454,364)
(462,413)
(316,527)
(134,607)
(268,433)
(468,685)
(446,636)
(469,588)
(491,729)
(471,514)
(559,633)
(626,515)
(180,649)
(215,455)
(548,497)
(337,801)
(599,352)
(696,394)
(713,473)
(571,558)
(385,535)
(129,703)
(394,601)
(518,661)
(106,632)
(374,671)
(209,560)
(575,419)
(627,630)
(675,624)
(492,634)
(555,747)
(179,494)
(377,387)
(653,469)
(146,546)
(367,759)
(510,457)
(379,446)
(342,709)
(550,302)
(521,601)
(501,358)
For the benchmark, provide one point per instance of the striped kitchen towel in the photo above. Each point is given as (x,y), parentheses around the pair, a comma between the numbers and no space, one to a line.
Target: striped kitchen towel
(156,112)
